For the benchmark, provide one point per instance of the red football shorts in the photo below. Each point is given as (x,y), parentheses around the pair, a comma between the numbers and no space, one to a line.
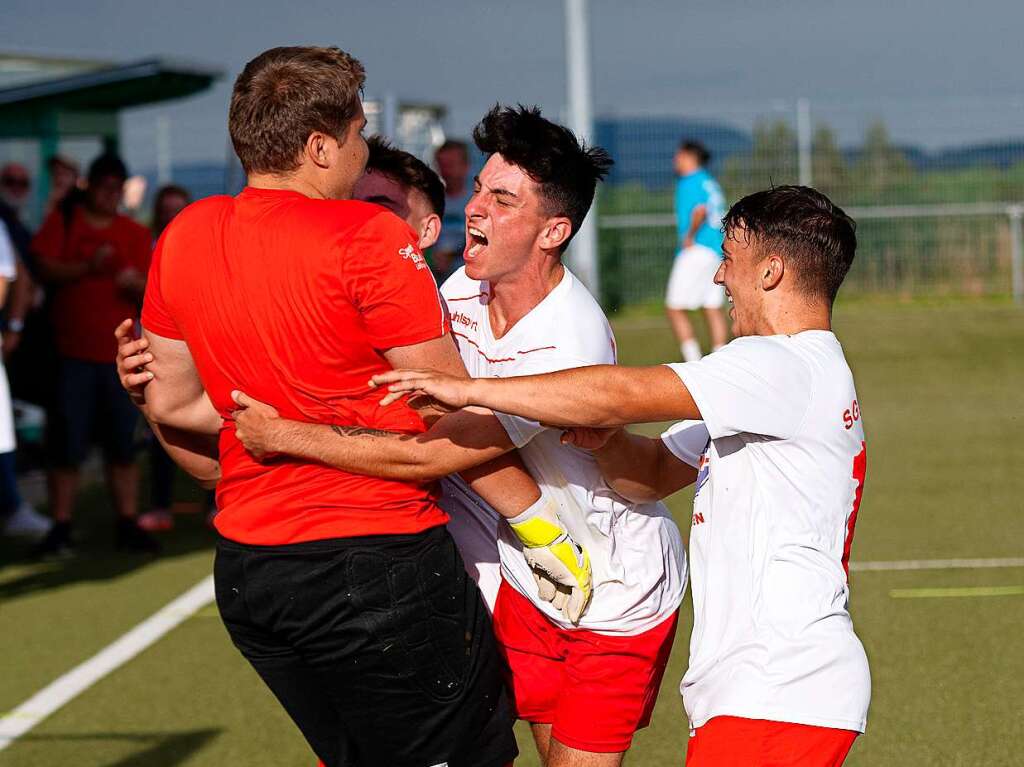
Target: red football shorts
(729,741)
(595,690)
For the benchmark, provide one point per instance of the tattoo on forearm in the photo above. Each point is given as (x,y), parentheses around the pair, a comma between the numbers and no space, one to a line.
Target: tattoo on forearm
(361,431)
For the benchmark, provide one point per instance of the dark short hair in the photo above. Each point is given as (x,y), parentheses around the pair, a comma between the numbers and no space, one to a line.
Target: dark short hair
(454,145)
(697,149)
(566,169)
(107,164)
(408,170)
(171,190)
(804,226)
(285,94)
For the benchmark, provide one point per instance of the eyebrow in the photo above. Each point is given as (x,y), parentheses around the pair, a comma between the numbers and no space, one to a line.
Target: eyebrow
(379,199)
(499,190)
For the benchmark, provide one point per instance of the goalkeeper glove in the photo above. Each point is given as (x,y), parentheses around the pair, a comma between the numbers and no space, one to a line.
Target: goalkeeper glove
(561,566)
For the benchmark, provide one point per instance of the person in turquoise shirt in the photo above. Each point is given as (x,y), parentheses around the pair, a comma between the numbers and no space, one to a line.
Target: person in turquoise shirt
(700,206)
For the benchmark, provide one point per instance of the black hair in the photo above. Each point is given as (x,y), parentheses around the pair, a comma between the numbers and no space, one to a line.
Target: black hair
(407,170)
(804,226)
(697,149)
(566,169)
(107,164)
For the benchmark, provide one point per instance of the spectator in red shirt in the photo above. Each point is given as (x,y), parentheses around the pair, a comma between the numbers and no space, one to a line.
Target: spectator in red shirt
(95,260)
(345,592)
(168,202)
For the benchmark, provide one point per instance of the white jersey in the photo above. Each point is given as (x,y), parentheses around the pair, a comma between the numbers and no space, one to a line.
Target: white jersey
(780,480)
(639,565)
(9,272)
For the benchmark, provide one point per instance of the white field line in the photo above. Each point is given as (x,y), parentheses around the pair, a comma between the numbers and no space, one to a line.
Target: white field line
(16,723)
(936,564)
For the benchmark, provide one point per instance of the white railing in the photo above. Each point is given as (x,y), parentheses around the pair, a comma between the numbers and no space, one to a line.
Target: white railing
(1014,211)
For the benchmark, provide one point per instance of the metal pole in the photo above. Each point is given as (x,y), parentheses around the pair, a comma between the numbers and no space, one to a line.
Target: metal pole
(163,150)
(389,118)
(1017,252)
(583,252)
(803,141)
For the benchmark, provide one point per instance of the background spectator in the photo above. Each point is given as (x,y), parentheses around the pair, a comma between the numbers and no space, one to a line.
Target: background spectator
(170,200)
(96,259)
(16,517)
(15,189)
(63,178)
(452,159)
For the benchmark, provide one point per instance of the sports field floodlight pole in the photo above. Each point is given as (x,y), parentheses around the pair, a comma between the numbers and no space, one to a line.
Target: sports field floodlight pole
(583,250)
(803,141)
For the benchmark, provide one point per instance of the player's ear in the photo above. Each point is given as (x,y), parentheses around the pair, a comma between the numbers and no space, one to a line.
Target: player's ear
(320,149)
(773,268)
(556,233)
(430,230)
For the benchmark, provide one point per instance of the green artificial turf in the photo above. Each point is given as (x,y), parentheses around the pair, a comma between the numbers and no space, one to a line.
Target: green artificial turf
(942,391)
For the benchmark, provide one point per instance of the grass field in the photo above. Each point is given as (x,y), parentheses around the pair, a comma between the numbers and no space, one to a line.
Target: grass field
(942,390)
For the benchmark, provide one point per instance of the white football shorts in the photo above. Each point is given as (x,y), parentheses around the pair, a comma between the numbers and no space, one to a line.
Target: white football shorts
(691,285)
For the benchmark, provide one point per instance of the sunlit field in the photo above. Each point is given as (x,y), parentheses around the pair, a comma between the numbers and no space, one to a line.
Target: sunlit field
(942,391)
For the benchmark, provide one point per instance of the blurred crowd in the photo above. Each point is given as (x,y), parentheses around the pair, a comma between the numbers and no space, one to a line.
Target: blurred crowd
(64,286)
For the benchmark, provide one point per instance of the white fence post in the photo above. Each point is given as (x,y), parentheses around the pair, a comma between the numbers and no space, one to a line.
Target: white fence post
(1016,213)
(803,142)
(583,251)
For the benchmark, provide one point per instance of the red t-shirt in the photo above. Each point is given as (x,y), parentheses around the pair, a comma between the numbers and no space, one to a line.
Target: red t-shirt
(86,312)
(292,300)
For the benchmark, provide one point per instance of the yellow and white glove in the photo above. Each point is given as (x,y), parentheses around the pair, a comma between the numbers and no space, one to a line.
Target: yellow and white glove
(560,565)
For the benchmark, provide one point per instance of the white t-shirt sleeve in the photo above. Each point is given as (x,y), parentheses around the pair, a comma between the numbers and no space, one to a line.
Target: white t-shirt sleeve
(686,440)
(8,257)
(754,385)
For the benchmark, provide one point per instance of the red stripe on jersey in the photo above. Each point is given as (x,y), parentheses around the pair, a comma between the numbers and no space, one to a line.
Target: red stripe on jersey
(502,359)
(860,470)
(480,351)
(468,298)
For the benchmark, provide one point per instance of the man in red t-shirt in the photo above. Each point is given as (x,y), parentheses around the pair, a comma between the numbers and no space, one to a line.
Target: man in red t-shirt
(345,592)
(96,261)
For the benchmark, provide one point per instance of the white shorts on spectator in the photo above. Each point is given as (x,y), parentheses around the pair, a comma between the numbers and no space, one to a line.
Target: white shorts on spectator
(691,285)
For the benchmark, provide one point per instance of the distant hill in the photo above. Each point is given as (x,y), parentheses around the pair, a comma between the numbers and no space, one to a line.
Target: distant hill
(996,154)
(643,147)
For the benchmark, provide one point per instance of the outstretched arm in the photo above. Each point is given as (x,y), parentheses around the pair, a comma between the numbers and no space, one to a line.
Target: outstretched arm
(596,396)
(455,442)
(638,468)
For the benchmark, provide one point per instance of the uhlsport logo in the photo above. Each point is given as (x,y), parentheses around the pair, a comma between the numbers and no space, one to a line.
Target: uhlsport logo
(409,253)
(465,320)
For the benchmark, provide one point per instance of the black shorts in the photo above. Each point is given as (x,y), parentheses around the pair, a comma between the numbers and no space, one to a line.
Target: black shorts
(379,648)
(90,406)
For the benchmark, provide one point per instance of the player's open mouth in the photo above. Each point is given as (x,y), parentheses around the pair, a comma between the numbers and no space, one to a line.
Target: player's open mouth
(476,241)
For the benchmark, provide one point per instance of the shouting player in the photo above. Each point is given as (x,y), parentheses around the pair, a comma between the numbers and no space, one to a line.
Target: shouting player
(777,675)
(344,592)
(586,681)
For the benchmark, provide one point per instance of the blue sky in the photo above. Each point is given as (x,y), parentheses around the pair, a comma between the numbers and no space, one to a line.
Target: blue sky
(938,72)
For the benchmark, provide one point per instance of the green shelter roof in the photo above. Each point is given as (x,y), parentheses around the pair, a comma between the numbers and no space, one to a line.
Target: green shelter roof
(107,89)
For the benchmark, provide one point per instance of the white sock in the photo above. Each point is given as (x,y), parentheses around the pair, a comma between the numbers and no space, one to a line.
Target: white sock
(690,350)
